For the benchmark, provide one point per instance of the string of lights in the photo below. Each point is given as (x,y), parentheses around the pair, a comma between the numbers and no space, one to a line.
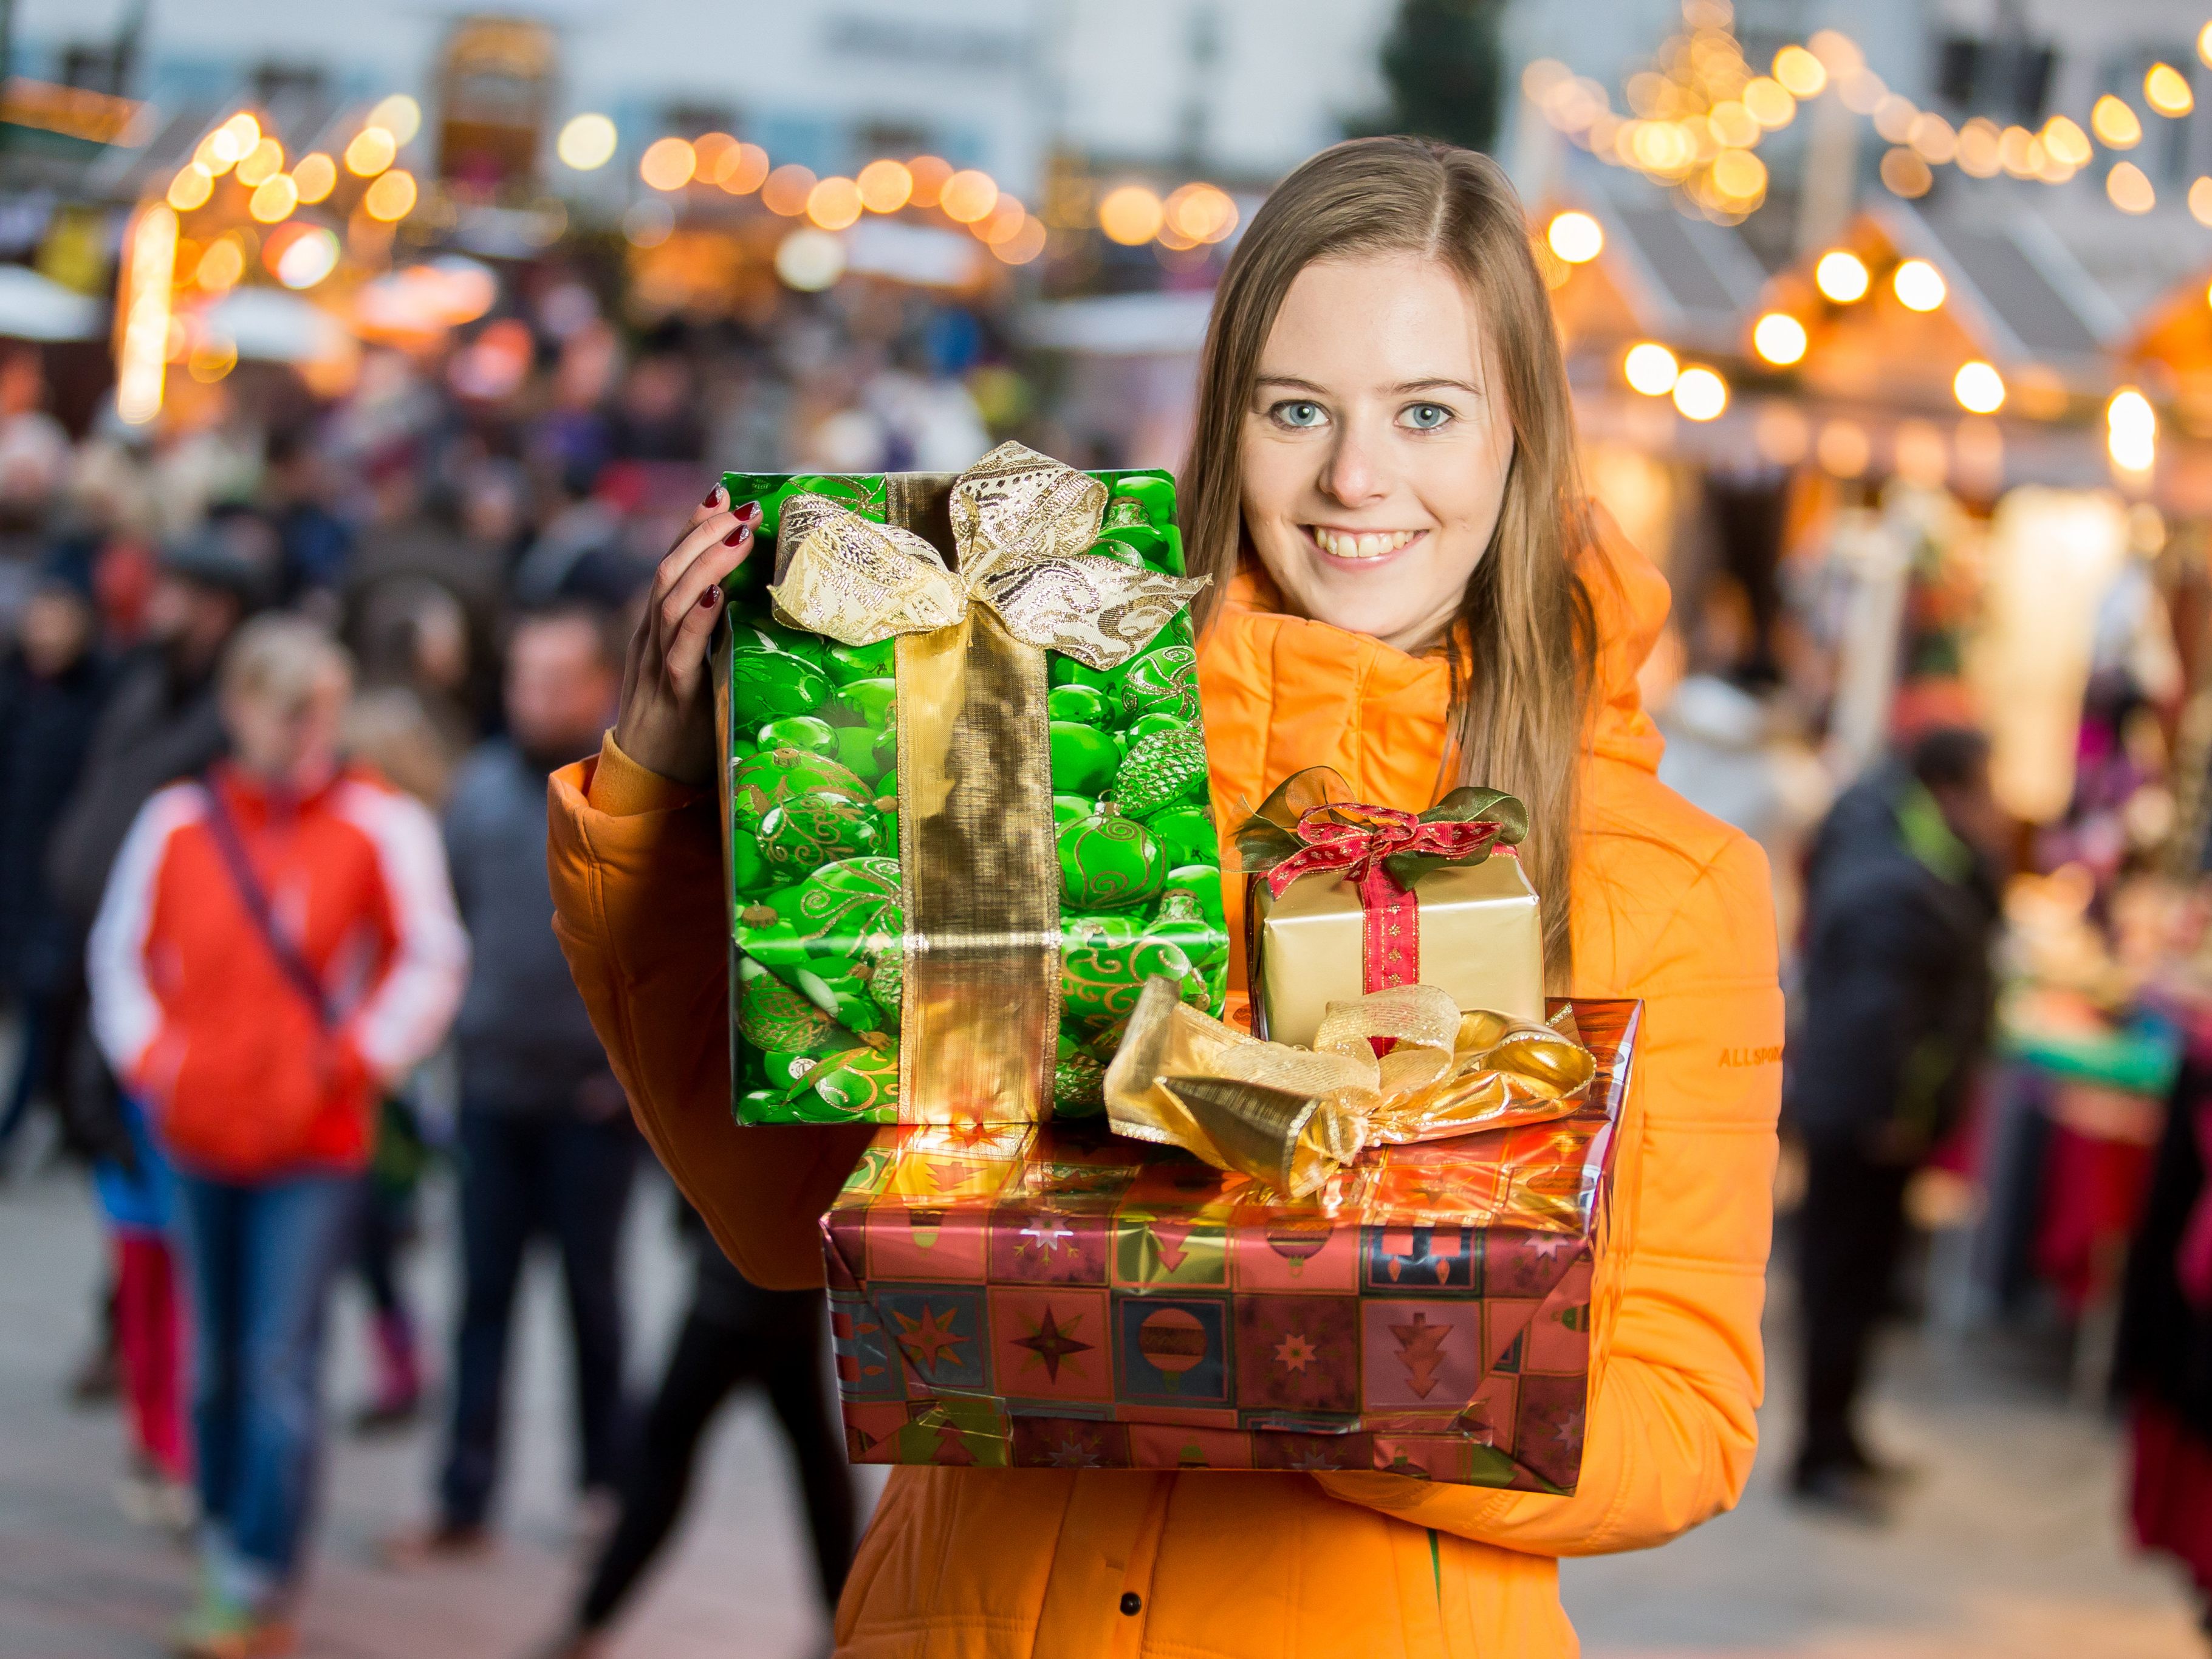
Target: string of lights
(1194,214)
(1696,116)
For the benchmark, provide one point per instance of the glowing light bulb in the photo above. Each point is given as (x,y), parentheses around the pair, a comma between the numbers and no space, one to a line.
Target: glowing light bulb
(1650,368)
(1979,387)
(1700,394)
(1918,285)
(1576,237)
(1780,338)
(1842,276)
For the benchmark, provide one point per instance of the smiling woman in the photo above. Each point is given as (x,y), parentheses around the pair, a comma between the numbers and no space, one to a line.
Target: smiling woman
(1408,586)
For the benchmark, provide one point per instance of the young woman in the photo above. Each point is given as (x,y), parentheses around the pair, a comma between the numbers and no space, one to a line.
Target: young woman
(1407,586)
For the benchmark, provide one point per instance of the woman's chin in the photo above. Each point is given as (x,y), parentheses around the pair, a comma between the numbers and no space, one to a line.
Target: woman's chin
(1385,615)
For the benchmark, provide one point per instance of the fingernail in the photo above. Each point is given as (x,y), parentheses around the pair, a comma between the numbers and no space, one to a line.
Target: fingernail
(714,497)
(706,599)
(737,535)
(750,513)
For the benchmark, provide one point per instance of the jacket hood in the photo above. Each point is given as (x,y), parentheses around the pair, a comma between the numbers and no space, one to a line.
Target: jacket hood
(1629,600)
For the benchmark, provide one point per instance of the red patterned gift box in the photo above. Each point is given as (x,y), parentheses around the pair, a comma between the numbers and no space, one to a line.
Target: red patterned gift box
(1056,1296)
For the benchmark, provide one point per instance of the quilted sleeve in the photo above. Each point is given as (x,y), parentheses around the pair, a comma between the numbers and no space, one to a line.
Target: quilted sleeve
(636,869)
(1677,1372)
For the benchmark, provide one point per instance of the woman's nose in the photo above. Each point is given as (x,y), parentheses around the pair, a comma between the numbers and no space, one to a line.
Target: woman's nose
(1352,476)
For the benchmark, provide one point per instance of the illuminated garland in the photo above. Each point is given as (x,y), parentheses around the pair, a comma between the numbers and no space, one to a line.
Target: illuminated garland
(1699,113)
(1193,216)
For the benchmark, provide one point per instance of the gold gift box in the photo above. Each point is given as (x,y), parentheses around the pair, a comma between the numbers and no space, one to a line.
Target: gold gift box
(1482,940)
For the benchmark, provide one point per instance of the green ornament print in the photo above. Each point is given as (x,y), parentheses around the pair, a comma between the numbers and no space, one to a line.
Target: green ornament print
(1084,758)
(817,828)
(1162,681)
(1098,982)
(816,736)
(1110,862)
(772,1015)
(1165,769)
(1078,1084)
(766,686)
(776,776)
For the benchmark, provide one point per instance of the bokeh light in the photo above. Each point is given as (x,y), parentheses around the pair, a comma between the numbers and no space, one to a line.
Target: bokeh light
(587,143)
(373,149)
(1700,394)
(1842,276)
(275,198)
(262,163)
(1130,214)
(668,163)
(785,189)
(1575,237)
(1979,387)
(1778,337)
(308,257)
(315,176)
(1800,71)
(1650,368)
(2131,430)
(747,170)
(1024,245)
(2165,89)
(1918,285)
(809,260)
(192,187)
(885,185)
(2129,189)
(398,115)
(1003,222)
(1200,212)
(967,196)
(833,202)
(929,173)
(391,197)
(2115,123)
(1906,173)
(220,265)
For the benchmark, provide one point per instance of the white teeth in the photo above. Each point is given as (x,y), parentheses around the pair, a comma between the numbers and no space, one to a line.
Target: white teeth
(1346,545)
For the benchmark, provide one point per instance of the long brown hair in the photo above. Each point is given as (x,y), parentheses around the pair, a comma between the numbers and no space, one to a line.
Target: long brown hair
(1524,636)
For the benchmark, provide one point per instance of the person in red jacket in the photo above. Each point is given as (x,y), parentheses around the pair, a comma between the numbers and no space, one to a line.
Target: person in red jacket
(276,944)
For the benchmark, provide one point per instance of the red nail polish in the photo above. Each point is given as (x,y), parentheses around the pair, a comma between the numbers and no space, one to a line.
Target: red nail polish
(706,599)
(713,496)
(750,513)
(737,535)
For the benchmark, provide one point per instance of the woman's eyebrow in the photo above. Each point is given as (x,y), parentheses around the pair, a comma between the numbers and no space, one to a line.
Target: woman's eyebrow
(1430,385)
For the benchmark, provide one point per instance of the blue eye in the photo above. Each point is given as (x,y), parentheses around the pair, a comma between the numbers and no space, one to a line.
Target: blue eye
(1426,417)
(1298,412)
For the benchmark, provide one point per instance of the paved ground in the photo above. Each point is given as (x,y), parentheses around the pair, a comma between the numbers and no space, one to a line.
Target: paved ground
(2010,1548)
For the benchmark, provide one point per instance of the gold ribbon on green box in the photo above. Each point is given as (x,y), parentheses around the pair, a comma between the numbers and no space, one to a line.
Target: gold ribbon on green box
(979,872)
(1290,1117)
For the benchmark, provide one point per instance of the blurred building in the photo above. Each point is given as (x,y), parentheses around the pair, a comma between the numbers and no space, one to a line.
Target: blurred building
(1246,87)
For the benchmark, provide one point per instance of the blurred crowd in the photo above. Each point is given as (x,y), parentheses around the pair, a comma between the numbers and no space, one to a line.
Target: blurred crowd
(282,681)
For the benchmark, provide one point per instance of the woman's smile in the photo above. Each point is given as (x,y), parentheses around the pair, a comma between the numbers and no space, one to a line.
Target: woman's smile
(1365,548)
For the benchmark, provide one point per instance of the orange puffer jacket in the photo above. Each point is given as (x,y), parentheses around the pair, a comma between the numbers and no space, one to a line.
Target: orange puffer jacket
(1670,906)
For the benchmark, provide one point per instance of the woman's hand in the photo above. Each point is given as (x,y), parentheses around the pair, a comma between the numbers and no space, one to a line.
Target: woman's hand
(667,721)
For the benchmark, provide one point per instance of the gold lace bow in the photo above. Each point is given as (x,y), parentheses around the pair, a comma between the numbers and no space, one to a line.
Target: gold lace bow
(1022,523)
(1290,1117)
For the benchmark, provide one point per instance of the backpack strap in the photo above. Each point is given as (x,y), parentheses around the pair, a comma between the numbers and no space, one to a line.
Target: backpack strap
(232,848)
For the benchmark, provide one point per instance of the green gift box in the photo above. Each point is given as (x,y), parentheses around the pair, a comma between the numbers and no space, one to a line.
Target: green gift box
(964,807)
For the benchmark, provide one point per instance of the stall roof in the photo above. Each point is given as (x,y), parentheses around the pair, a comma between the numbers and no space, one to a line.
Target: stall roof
(1659,274)
(2033,300)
